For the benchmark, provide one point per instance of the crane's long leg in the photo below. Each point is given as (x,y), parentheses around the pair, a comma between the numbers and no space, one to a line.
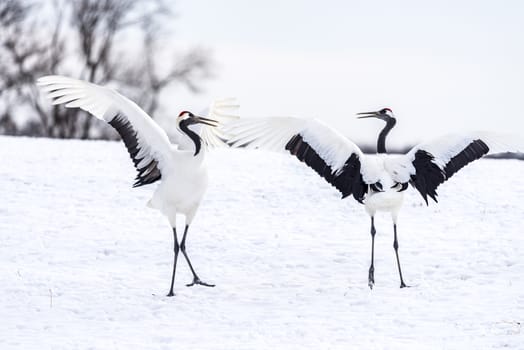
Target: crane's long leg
(371,276)
(196,280)
(395,245)
(176,249)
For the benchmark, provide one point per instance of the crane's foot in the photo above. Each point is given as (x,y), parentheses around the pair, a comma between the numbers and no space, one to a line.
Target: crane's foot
(170,294)
(403,285)
(371,277)
(197,280)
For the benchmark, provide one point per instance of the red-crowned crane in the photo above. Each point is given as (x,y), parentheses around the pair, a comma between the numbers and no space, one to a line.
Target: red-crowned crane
(378,181)
(179,167)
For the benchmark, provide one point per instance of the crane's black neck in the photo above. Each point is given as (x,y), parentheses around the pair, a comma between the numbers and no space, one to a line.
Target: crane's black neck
(381,142)
(184,126)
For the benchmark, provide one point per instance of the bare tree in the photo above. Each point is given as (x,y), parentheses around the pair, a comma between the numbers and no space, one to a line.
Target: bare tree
(19,59)
(83,40)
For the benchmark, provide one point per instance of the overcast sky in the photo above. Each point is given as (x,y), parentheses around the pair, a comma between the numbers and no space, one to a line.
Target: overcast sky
(442,66)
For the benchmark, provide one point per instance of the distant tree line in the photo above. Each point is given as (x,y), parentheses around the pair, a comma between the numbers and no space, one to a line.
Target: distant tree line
(117,42)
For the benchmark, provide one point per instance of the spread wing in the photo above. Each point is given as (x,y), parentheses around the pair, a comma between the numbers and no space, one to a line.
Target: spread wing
(428,165)
(147,144)
(224,111)
(331,155)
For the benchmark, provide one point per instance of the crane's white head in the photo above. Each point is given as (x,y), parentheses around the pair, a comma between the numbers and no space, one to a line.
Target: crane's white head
(385,114)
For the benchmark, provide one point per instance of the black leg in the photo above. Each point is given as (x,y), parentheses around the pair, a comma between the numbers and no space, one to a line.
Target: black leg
(371,276)
(196,280)
(395,245)
(176,249)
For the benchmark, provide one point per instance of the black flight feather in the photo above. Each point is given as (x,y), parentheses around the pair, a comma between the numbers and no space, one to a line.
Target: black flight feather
(146,174)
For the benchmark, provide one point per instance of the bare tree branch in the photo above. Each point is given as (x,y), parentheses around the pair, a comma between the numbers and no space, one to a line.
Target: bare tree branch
(31,47)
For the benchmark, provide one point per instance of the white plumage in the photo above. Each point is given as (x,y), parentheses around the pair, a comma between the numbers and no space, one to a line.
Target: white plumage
(377,181)
(180,167)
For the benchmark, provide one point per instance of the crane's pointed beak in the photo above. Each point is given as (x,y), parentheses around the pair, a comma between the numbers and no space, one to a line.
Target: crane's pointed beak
(205,121)
(367,115)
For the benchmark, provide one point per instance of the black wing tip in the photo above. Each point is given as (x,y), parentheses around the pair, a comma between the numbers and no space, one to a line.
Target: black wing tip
(429,175)
(476,149)
(146,174)
(346,180)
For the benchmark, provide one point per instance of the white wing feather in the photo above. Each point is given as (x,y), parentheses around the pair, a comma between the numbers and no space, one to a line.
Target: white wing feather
(444,148)
(224,111)
(274,133)
(105,103)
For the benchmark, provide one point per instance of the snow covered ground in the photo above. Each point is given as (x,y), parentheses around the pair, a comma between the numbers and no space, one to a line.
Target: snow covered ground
(85,265)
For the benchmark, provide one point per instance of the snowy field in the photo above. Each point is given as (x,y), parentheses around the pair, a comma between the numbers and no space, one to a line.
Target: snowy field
(85,265)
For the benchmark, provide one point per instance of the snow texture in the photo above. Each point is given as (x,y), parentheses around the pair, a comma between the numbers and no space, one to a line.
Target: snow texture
(85,265)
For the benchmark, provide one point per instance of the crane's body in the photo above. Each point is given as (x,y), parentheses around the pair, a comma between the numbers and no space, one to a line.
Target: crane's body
(378,181)
(389,199)
(181,191)
(180,168)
